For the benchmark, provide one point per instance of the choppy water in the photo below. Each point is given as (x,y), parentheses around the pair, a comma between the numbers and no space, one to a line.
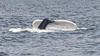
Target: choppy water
(21,13)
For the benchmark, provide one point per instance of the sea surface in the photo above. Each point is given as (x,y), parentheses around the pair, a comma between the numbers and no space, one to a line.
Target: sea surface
(21,14)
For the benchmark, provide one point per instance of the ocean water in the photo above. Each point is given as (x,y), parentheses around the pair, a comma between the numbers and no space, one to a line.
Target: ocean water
(21,14)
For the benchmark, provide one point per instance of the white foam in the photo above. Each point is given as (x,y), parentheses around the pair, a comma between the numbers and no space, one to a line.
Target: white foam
(38,30)
(29,30)
(15,30)
(83,28)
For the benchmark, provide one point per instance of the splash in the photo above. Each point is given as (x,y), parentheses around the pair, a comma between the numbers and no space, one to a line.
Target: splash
(83,28)
(38,30)
(29,30)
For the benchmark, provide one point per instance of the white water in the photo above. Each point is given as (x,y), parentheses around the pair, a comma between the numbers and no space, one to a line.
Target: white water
(28,30)
(38,30)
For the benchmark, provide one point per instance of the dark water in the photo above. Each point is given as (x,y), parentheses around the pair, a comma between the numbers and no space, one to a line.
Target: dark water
(21,13)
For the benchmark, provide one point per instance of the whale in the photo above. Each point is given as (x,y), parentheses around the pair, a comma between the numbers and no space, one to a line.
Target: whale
(56,26)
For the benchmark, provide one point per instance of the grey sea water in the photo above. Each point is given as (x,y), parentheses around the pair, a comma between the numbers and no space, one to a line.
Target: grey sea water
(21,14)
